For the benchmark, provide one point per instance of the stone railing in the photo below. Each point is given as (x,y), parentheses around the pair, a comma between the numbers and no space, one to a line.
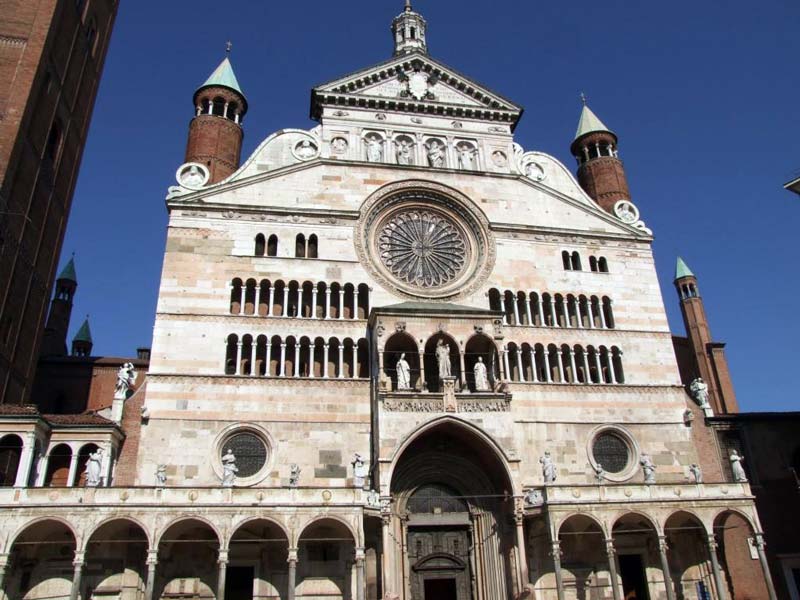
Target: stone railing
(437,402)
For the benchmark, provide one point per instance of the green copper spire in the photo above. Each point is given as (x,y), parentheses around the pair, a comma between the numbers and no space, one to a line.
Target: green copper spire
(84,333)
(224,76)
(682,270)
(589,123)
(68,272)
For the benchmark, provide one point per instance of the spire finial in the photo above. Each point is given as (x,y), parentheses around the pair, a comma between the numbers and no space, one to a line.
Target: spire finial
(583,98)
(408,6)
(228,47)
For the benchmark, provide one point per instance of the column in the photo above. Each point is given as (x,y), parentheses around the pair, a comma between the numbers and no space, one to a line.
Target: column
(553,312)
(762,558)
(77,565)
(239,358)
(505,309)
(528,309)
(225,114)
(557,568)
(292,560)
(610,358)
(361,581)
(223,567)
(463,371)
(326,314)
(325,359)
(312,351)
(297,358)
(243,298)
(507,371)
(341,360)
(285,301)
(73,468)
(516,311)
(522,554)
(602,314)
(299,302)
(354,312)
(534,376)
(3,569)
(258,299)
(42,473)
(25,460)
(540,310)
(314,302)
(282,371)
(341,303)
(107,465)
(268,359)
(548,375)
(712,553)
(612,568)
(519,366)
(662,554)
(572,365)
(600,378)
(271,299)
(386,566)
(369,301)
(152,561)
(423,384)
(589,312)
(587,376)
(560,365)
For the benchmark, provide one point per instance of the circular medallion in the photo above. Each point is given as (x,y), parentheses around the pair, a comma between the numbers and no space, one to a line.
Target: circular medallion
(192,176)
(305,149)
(425,240)
(626,211)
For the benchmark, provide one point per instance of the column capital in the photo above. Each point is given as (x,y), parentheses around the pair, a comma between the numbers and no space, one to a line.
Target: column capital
(222,558)
(556,549)
(79,559)
(711,540)
(292,557)
(663,545)
(759,540)
(360,555)
(152,558)
(610,550)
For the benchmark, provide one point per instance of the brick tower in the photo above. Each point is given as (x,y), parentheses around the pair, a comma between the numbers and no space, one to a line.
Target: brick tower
(600,171)
(215,133)
(55,333)
(709,356)
(82,342)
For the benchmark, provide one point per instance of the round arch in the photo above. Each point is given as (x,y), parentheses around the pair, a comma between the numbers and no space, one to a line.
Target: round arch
(576,516)
(626,514)
(22,529)
(250,520)
(685,513)
(119,518)
(321,519)
(731,510)
(186,519)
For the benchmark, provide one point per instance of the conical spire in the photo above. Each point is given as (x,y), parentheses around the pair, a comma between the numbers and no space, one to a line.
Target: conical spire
(84,333)
(223,76)
(589,123)
(682,270)
(68,272)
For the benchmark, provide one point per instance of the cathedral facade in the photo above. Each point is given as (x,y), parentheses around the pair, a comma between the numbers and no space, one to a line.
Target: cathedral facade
(397,356)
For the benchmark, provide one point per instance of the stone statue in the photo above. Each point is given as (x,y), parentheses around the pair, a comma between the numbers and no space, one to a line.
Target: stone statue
(161,475)
(699,390)
(229,469)
(443,359)
(305,150)
(435,154)
(374,148)
(193,177)
(404,153)
(373,499)
(739,475)
(481,379)
(359,471)
(694,469)
(294,475)
(533,498)
(403,373)
(548,468)
(466,155)
(126,378)
(649,469)
(599,473)
(93,467)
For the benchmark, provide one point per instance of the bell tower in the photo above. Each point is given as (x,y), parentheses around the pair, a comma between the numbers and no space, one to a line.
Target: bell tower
(600,171)
(409,29)
(709,356)
(215,133)
(54,342)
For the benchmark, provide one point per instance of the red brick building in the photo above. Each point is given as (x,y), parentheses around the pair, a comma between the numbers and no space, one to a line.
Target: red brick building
(51,59)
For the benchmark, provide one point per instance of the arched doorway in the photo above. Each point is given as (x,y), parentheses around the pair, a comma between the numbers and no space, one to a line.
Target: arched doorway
(326,561)
(257,562)
(188,554)
(116,555)
(41,562)
(453,489)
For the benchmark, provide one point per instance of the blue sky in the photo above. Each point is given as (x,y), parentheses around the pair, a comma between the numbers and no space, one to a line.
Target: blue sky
(703,96)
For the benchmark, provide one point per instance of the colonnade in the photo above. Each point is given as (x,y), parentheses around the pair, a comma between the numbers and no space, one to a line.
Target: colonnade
(303,301)
(553,310)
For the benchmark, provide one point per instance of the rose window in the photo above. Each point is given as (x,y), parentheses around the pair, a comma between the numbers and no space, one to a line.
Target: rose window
(422,248)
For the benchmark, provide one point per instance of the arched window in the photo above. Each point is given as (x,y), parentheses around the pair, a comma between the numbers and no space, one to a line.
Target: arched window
(236,296)
(608,313)
(272,245)
(250,297)
(261,245)
(247,356)
(307,298)
(10,453)
(494,300)
(218,107)
(54,140)
(363,301)
(561,317)
(300,246)
(230,354)
(602,264)
(508,307)
(616,361)
(593,264)
(313,246)
(565,258)
(292,308)
(362,357)
(576,262)
(260,366)
(275,356)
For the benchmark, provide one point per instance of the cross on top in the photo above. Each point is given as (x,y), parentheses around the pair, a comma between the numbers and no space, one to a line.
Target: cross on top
(583,98)
(228,47)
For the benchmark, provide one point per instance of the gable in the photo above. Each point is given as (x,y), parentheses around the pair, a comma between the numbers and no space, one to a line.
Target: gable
(416,83)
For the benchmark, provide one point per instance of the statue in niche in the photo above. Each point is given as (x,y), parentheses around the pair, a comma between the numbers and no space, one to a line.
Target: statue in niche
(548,468)
(294,475)
(443,359)
(435,154)
(403,373)
(739,476)
(405,152)
(481,376)
(93,467)
(696,472)
(466,157)
(699,390)
(161,475)
(192,177)
(229,469)
(359,471)
(649,469)
(126,378)
(374,148)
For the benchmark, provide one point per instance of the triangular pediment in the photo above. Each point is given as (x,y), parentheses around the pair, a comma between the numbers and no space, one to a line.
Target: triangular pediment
(415,83)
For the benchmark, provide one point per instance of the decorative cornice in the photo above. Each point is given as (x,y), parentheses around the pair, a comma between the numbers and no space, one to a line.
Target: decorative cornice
(254,381)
